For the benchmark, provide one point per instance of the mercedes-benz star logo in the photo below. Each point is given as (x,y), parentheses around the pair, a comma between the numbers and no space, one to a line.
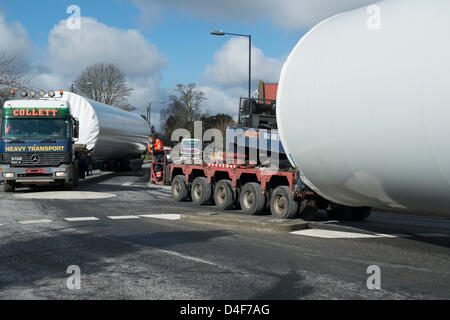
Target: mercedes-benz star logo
(35,158)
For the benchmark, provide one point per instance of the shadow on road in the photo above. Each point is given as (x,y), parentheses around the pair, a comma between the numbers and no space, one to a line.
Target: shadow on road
(27,263)
(288,286)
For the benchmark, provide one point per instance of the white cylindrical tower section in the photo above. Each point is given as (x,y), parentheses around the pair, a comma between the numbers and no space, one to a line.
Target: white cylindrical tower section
(364,106)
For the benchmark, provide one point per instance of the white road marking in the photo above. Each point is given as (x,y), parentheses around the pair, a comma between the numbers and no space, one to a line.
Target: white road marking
(123,217)
(163,216)
(433,235)
(176,254)
(66,195)
(329,234)
(81,219)
(131,182)
(385,235)
(35,221)
(401,235)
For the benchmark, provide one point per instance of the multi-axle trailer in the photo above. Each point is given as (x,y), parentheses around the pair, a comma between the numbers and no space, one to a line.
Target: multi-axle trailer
(253,190)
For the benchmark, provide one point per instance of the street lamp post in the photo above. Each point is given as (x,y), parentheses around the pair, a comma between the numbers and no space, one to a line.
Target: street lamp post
(221,33)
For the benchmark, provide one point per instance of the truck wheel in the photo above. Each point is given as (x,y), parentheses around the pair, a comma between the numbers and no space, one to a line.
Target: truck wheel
(360,214)
(9,186)
(307,210)
(282,206)
(179,189)
(251,198)
(224,196)
(201,191)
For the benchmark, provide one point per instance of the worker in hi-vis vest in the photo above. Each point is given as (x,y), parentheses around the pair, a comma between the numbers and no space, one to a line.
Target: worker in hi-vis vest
(156,147)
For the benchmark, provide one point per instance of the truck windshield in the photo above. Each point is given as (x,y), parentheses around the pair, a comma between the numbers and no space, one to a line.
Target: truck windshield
(35,129)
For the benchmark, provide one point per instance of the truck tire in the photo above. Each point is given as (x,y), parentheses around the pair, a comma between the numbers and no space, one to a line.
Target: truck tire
(307,210)
(361,214)
(251,198)
(9,186)
(179,189)
(224,196)
(201,191)
(282,206)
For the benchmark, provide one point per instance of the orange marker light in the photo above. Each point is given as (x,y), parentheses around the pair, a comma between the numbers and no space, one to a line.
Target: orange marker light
(61,92)
(12,91)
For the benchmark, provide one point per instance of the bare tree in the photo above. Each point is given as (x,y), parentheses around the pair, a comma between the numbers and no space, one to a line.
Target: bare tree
(184,109)
(104,83)
(12,75)
(189,98)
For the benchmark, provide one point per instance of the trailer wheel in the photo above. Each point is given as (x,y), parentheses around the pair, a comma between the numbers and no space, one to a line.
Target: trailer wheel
(307,210)
(341,213)
(224,196)
(201,191)
(362,213)
(9,186)
(251,198)
(282,206)
(179,189)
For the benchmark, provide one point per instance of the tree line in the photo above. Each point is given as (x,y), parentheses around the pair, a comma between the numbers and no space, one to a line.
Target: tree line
(185,108)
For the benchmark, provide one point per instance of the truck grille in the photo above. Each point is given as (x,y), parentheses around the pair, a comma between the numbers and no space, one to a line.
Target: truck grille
(29,159)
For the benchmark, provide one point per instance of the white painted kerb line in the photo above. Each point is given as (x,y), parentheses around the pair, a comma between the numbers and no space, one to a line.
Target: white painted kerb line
(81,219)
(123,217)
(163,216)
(329,234)
(35,221)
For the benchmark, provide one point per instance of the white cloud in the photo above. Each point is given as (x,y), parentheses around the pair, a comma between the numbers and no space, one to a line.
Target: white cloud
(70,51)
(218,101)
(73,50)
(230,68)
(288,14)
(14,38)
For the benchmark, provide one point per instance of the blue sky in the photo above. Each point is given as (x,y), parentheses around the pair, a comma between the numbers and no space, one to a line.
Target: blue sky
(172,44)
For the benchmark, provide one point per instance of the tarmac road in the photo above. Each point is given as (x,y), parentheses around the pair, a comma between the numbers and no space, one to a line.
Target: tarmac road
(129,243)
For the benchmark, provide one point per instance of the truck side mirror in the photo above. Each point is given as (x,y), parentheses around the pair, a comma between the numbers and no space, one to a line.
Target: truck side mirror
(76,128)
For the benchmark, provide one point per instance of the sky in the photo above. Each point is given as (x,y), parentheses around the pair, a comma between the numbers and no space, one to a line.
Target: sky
(160,43)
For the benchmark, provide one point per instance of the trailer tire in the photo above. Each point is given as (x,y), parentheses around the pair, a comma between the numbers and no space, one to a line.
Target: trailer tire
(179,189)
(282,206)
(251,198)
(341,213)
(307,210)
(224,197)
(201,191)
(361,213)
(9,186)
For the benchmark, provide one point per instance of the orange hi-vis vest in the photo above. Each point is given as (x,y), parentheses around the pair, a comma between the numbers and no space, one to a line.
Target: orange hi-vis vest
(157,146)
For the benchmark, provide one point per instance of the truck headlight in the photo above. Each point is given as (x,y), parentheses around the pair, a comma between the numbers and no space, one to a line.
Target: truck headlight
(8,175)
(60,174)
